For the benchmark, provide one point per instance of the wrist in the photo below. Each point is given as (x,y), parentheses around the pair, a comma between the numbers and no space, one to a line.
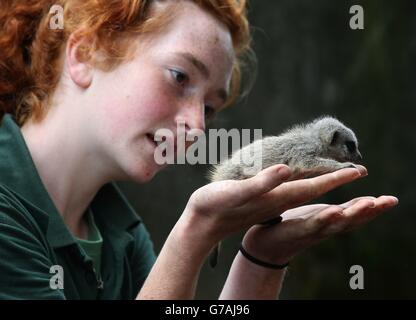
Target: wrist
(258,272)
(262,263)
(247,280)
(194,235)
(260,243)
(176,270)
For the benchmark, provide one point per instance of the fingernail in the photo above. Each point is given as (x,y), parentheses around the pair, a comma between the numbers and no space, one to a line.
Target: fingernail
(363,172)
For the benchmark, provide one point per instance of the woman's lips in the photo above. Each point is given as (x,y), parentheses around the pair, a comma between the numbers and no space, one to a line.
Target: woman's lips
(155,143)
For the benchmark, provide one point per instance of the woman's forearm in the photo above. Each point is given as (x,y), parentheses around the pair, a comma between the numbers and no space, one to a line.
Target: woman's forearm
(248,281)
(176,271)
(177,268)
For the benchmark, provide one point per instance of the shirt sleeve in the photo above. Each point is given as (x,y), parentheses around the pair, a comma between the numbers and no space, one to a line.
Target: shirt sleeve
(143,256)
(24,258)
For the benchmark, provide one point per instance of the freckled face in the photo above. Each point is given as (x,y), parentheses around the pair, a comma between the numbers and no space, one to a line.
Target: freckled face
(181,75)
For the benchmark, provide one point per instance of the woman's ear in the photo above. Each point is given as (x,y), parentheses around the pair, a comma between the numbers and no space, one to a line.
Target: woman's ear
(79,66)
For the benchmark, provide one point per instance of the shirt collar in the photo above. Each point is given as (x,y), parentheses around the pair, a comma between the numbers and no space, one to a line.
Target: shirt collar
(18,173)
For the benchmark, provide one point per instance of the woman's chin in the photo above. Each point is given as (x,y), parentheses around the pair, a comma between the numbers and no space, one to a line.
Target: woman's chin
(146,174)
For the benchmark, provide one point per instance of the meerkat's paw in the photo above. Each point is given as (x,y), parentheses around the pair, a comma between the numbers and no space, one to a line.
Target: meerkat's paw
(344,165)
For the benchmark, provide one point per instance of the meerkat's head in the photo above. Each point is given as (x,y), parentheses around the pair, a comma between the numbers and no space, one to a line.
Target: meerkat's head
(339,142)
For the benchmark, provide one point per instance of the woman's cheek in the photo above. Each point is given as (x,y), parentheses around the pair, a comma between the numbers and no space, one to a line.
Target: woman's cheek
(156,105)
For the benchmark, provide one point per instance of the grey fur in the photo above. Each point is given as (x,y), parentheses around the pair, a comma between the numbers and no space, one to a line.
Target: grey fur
(321,146)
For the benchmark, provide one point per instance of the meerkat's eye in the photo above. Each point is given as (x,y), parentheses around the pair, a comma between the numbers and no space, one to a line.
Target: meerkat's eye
(350,146)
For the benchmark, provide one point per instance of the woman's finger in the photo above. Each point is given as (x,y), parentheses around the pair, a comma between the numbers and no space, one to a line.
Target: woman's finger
(266,180)
(295,193)
(356,217)
(304,212)
(301,191)
(350,203)
(360,213)
(234,194)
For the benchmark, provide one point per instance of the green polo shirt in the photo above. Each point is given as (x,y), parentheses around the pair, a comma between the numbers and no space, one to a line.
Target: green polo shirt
(37,249)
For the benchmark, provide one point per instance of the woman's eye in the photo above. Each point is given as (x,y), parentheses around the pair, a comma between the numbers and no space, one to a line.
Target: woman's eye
(179,77)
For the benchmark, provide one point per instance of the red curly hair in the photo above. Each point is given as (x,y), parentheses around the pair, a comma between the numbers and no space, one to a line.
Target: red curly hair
(31,52)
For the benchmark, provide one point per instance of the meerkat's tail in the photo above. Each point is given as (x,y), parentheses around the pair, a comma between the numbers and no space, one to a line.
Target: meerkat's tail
(213,259)
(212,174)
(219,172)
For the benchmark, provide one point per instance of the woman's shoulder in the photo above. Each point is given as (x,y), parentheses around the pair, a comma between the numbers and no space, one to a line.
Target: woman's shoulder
(8,197)
(16,211)
(24,251)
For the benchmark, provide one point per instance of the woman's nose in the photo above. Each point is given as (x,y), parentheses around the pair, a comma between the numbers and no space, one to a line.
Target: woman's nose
(193,117)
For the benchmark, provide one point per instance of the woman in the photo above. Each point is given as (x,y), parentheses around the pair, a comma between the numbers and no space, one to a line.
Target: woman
(83,104)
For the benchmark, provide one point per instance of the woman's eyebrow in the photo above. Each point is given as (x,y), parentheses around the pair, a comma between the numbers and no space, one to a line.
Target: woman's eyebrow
(203,69)
(195,62)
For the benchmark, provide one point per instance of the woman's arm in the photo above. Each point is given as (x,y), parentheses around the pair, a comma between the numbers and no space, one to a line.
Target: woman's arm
(176,271)
(220,209)
(213,212)
(248,281)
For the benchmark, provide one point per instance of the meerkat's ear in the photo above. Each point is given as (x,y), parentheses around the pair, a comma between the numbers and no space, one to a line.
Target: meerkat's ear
(329,136)
(334,137)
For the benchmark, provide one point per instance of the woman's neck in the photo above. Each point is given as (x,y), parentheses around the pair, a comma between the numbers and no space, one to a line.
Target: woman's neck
(69,169)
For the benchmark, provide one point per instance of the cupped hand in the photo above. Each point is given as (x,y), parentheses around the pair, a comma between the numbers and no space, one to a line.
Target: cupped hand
(225,207)
(304,226)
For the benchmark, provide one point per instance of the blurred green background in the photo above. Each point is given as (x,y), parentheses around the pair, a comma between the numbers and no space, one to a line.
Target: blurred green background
(311,63)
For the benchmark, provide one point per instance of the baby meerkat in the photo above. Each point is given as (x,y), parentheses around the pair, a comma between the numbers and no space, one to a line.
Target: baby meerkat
(321,146)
